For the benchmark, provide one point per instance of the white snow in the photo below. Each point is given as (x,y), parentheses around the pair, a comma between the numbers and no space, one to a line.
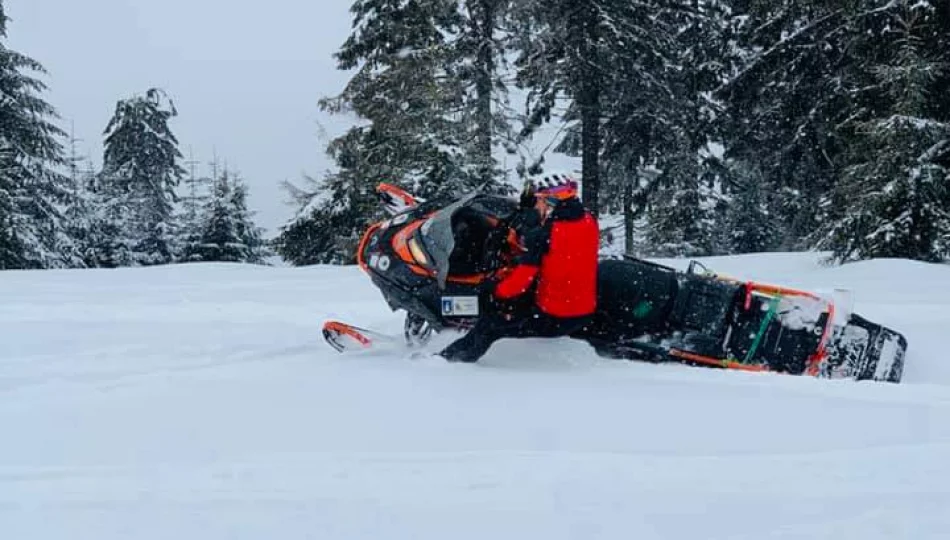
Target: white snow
(200,402)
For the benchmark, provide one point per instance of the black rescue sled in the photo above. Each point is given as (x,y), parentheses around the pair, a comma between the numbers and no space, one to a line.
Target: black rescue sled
(435,262)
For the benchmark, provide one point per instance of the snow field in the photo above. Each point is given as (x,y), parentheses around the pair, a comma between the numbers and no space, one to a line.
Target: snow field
(199,401)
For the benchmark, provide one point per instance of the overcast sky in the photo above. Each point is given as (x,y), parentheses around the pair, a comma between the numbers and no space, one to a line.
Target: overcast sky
(244,76)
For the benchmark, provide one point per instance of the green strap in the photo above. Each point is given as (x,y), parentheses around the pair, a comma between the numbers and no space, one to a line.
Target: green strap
(773,307)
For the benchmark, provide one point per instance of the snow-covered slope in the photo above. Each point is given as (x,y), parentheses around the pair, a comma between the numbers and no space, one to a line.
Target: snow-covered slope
(199,402)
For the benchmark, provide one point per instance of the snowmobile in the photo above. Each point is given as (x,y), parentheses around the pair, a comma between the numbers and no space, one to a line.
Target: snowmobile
(438,262)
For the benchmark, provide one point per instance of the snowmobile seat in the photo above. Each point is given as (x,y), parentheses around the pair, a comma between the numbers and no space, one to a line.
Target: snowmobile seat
(635,296)
(704,310)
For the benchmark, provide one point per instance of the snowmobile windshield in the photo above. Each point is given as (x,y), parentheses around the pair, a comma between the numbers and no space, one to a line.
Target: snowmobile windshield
(439,238)
(456,236)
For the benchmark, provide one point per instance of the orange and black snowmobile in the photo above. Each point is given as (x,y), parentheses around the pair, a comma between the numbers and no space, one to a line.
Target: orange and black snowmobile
(438,263)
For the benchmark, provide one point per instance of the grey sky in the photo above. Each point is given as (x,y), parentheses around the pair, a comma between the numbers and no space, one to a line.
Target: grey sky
(245,76)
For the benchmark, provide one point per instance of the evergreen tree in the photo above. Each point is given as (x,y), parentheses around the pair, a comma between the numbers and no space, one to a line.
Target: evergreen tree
(615,61)
(566,49)
(113,232)
(137,186)
(683,217)
(479,53)
(656,63)
(332,204)
(11,246)
(192,212)
(686,206)
(220,241)
(635,118)
(332,215)
(425,82)
(248,234)
(227,230)
(893,199)
(750,227)
(406,89)
(788,93)
(33,193)
(800,100)
(81,213)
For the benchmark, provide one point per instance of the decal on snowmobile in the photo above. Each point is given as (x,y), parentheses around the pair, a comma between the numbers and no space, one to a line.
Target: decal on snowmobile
(379,262)
(442,254)
(460,306)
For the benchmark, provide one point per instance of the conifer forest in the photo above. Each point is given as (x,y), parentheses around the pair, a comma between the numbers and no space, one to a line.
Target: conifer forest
(142,207)
(699,127)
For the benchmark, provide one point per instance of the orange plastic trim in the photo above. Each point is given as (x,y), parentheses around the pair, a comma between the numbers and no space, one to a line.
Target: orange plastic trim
(774,289)
(717,362)
(359,250)
(474,279)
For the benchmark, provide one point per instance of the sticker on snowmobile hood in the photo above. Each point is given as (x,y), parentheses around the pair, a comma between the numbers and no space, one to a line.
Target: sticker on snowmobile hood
(379,262)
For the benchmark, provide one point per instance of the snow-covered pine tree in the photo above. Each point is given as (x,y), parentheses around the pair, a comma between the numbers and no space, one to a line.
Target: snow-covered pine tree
(636,98)
(408,90)
(81,212)
(480,61)
(894,195)
(334,203)
(33,232)
(248,233)
(788,91)
(684,214)
(137,187)
(11,246)
(748,226)
(220,241)
(197,192)
(114,227)
(425,82)
(333,212)
(685,209)
(656,69)
(567,48)
(229,233)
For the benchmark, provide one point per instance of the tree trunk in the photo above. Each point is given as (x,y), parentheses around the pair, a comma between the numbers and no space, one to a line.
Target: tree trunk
(588,101)
(485,28)
(590,142)
(628,217)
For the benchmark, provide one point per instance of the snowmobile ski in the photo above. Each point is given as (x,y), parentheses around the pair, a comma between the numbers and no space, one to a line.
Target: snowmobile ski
(348,338)
(396,200)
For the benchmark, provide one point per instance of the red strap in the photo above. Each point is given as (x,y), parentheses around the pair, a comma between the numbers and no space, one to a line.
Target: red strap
(516,282)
